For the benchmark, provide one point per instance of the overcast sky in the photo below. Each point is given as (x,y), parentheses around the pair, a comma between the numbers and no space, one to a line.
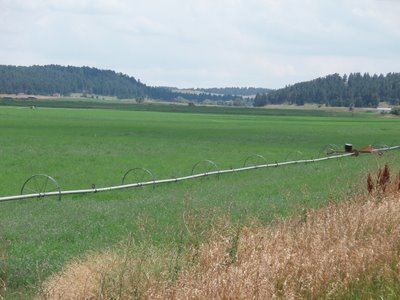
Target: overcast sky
(205,43)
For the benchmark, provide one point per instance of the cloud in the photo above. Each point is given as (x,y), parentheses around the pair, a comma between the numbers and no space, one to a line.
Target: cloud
(205,42)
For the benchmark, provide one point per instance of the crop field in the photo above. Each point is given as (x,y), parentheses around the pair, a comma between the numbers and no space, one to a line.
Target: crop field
(85,147)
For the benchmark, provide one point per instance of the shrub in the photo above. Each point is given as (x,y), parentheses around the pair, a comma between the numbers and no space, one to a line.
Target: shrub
(395,111)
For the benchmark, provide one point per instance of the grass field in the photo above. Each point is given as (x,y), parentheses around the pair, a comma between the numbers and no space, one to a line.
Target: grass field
(81,147)
(88,103)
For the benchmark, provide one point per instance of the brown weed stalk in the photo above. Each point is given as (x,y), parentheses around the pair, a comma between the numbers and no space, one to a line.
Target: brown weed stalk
(398,182)
(383,182)
(370,183)
(384,178)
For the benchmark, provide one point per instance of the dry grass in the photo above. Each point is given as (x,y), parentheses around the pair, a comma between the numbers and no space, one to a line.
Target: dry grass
(130,270)
(316,255)
(3,262)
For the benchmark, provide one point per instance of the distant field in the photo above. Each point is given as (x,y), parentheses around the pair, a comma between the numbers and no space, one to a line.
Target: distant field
(81,147)
(131,105)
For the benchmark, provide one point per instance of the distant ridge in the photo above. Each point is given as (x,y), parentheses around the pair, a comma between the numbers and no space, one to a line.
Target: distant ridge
(353,90)
(65,80)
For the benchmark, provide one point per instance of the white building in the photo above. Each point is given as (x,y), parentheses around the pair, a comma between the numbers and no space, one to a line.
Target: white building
(384,109)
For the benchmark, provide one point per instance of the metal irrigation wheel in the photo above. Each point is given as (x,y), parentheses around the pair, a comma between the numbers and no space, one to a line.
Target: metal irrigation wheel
(254,159)
(41,184)
(208,166)
(328,150)
(137,175)
(295,155)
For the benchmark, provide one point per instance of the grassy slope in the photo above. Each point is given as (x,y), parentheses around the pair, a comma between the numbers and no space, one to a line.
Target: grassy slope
(81,147)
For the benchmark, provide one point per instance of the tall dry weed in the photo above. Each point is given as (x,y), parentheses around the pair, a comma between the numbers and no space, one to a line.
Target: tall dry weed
(383,183)
(319,254)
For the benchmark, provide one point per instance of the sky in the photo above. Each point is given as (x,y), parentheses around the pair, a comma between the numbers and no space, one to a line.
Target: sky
(205,43)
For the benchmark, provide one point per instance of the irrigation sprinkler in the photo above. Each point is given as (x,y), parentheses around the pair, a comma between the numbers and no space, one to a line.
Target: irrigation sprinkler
(40,189)
(254,156)
(207,162)
(41,184)
(143,170)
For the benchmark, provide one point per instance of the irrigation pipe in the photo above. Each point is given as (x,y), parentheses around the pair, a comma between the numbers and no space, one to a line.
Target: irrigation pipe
(194,176)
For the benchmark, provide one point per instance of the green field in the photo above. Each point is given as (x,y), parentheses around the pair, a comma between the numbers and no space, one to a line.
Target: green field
(81,147)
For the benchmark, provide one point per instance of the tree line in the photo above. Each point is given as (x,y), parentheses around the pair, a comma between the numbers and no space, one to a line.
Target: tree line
(355,89)
(65,80)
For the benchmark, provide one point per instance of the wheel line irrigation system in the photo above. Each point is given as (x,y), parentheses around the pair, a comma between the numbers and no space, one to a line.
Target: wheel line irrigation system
(58,192)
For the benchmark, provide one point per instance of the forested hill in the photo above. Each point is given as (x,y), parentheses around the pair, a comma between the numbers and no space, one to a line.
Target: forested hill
(51,79)
(360,90)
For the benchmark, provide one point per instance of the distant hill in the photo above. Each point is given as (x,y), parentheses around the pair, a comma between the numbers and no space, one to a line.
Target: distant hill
(56,79)
(50,79)
(334,90)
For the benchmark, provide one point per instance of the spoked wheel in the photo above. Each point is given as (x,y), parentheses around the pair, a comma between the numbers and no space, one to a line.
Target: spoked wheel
(41,184)
(328,150)
(295,155)
(254,159)
(205,166)
(137,175)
